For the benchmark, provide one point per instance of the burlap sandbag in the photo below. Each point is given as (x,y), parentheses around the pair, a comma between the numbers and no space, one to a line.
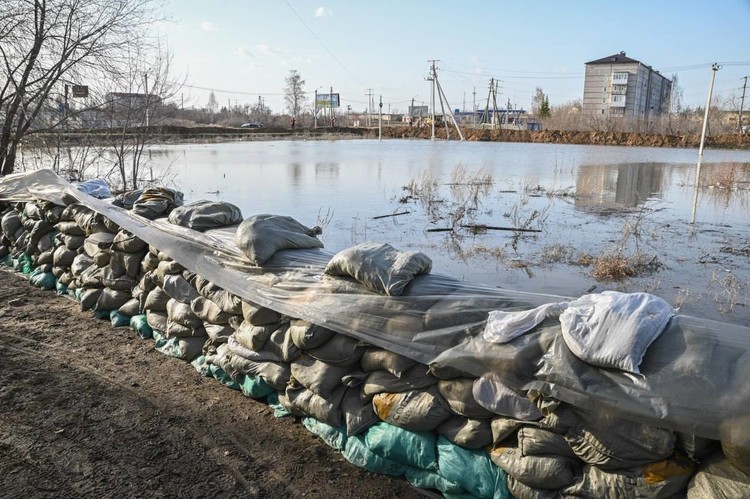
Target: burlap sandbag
(419,410)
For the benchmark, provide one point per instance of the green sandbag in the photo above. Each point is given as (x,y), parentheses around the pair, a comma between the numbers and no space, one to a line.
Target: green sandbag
(357,453)
(200,365)
(334,437)
(417,449)
(279,410)
(186,349)
(119,320)
(139,324)
(159,339)
(426,479)
(61,288)
(222,377)
(7,260)
(22,263)
(471,469)
(44,280)
(102,314)
(255,386)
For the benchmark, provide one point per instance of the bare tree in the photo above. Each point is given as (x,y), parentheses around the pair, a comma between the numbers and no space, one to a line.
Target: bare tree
(133,114)
(46,43)
(294,93)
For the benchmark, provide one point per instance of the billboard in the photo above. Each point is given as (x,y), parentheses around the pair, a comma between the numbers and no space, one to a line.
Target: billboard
(80,91)
(327,100)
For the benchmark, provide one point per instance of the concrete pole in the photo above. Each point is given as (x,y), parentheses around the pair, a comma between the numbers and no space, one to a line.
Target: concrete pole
(714,69)
(742,103)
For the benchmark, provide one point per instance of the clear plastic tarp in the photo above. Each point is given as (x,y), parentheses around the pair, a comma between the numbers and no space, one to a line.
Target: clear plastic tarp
(693,377)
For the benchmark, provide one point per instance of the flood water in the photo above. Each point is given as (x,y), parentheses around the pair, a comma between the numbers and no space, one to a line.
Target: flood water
(584,200)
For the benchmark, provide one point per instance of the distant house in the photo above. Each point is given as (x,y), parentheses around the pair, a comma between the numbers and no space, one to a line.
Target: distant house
(620,86)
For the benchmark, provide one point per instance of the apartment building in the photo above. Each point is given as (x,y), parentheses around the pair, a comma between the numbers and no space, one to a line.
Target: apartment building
(620,86)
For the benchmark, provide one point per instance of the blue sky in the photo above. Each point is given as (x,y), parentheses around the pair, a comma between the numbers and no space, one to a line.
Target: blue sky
(245,48)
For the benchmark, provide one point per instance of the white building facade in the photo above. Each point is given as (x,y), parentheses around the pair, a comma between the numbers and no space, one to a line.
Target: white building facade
(620,86)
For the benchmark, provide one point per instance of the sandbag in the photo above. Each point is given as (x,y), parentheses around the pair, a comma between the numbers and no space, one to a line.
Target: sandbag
(374,359)
(254,337)
(547,472)
(130,308)
(717,477)
(334,437)
(419,410)
(182,314)
(203,215)
(471,469)
(490,393)
(357,415)
(208,311)
(259,316)
(317,376)
(466,432)
(179,289)
(128,243)
(520,490)
(156,202)
(610,442)
(307,335)
(662,479)
(219,333)
(417,449)
(111,299)
(280,344)
(379,267)
(157,300)
(130,262)
(458,394)
(340,350)
(63,257)
(157,320)
(416,378)
(534,441)
(304,402)
(261,236)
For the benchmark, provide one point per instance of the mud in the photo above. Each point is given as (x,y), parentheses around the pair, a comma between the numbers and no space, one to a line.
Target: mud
(87,410)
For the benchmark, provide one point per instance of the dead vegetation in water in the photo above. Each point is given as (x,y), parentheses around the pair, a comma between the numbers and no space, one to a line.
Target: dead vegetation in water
(616,267)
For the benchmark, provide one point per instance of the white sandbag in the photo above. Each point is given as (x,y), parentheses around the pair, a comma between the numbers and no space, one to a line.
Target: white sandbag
(416,378)
(379,267)
(613,329)
(496,397)
(374,359)
(258,315)
(261,236)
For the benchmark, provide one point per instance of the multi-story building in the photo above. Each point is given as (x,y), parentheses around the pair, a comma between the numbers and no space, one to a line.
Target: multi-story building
(620,86)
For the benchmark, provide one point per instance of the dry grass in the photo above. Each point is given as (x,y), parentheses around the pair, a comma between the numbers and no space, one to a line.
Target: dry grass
(556,253)
(616,267)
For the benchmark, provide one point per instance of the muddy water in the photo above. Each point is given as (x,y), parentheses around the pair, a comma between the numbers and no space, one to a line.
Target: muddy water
(583,200)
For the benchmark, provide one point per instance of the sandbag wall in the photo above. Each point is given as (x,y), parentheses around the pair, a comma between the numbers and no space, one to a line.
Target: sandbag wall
(440,428)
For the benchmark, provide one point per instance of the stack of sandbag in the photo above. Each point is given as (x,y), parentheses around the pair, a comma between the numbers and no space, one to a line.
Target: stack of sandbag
(96,255)
(121,277)
(259,349)
(39,221)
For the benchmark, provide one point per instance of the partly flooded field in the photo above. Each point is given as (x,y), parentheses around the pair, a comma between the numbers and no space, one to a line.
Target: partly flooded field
(593,217)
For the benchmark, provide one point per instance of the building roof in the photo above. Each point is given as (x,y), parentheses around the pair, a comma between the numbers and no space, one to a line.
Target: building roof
(620,58)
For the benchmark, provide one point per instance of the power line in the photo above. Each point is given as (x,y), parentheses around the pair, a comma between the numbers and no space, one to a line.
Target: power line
(322,44)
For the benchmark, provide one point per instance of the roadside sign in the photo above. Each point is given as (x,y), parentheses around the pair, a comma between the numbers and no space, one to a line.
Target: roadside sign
(327,100)
(80,91)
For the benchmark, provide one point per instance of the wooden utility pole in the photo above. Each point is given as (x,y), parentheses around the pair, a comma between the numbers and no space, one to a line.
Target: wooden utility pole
(742,103)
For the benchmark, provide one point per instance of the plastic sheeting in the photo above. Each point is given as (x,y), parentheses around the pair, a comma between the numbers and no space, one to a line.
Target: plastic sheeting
(693,376)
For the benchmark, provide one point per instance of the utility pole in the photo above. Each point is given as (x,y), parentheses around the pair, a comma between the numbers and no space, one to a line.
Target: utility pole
(742,102)
(315,110)
(145,77)
(330,102)
(369,106)
(474,107)
(431,78)
(380,119)
(714,68)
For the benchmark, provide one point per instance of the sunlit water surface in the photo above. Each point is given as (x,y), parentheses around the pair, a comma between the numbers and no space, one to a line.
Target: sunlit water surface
(585,200)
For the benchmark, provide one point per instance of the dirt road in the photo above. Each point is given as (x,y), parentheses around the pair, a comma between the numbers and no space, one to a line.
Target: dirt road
(87,410)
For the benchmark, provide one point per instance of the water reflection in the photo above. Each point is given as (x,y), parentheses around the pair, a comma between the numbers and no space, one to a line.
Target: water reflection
(606,188)
(327,170)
